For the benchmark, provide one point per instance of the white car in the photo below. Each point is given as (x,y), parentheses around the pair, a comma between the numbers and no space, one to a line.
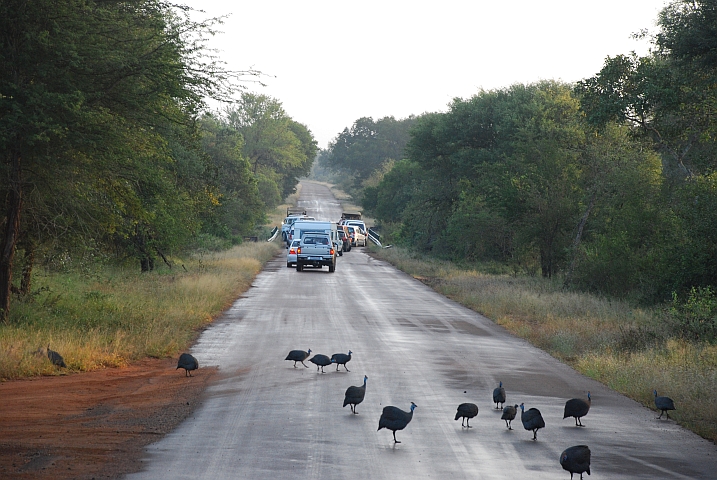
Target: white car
(291,254)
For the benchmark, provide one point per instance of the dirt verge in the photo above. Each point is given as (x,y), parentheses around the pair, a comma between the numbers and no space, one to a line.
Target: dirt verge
(92,425)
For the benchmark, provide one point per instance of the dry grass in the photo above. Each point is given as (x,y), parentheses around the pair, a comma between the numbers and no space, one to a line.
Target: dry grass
(626,348)
(114,316)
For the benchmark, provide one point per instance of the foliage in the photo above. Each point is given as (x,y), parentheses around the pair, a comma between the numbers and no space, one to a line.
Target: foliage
(279,149)
(695,317)
(365,148)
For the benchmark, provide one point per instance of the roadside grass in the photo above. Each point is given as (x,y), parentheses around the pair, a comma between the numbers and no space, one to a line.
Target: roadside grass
(626,348)
(113,316)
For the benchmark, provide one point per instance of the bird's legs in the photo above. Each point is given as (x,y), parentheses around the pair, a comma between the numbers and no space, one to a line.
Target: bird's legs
(394,437)
(337,367)
(302,362)
(507,424)
(535,434)
(468,423)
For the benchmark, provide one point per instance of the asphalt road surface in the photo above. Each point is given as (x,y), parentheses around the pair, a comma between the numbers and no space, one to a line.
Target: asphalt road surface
(266,419)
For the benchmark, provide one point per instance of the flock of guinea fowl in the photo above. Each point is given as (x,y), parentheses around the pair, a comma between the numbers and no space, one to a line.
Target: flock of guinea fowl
(575,459)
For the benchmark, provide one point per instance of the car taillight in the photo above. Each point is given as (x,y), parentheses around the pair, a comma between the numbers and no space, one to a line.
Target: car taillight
(298,250)
(332,251)
(292,251)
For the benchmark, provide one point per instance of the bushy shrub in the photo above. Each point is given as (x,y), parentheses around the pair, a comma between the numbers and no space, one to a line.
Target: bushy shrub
(695,318)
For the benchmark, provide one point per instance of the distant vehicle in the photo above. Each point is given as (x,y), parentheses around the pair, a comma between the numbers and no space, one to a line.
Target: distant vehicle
(303,226)
(288,223)
(295,211)
(345,240)
(351,216)
(358,238)
(316,250)
(291,254)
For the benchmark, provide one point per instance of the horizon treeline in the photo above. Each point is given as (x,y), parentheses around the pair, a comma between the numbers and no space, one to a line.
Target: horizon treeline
(608,184)
(109,152)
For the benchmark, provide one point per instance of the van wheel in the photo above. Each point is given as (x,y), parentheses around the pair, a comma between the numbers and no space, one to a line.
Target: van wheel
(332,268)
(299,267)
(341,253)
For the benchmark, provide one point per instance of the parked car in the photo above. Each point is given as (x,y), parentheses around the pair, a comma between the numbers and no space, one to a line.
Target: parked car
(358,238)
(345,240)
(291,254)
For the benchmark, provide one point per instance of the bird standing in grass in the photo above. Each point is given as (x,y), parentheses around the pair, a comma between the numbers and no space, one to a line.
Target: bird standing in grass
(188,363)
(355,395)
(466,411)
(664,404)
(55,358)
(577,407)
(341,359)
(320,361)
(393,418)
(509,413)
(576,460)
(499,396)
(298,356)
(532,420)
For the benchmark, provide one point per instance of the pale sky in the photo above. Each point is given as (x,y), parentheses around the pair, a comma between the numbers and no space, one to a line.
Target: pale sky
(332,62)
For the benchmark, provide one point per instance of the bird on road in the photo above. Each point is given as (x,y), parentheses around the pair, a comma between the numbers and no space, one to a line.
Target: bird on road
(577,407)
(298,356)
(576,460)
(532,420)
(509,413)
(664,404)
(55,358)
(466,411)
(341,359)
(355,395)
(499,396)
(393,418)
(188,363)
(320,361)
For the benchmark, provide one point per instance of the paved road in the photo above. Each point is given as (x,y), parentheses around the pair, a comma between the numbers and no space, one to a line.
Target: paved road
(264,419)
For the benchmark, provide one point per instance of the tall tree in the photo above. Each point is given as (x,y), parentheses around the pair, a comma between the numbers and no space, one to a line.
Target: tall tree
(85,89)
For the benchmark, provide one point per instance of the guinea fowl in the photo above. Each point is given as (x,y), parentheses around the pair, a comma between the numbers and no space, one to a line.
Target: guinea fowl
(393,418)
(509,413)
(577,407)
(466,411)
(188,363)
(298,356)
(499,396)
(320,361)
(576,460)
(532,420)
(341,359)
(354,395)
(664,404)
(55,358)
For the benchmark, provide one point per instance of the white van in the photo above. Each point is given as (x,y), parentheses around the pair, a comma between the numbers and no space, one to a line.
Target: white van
(302,226)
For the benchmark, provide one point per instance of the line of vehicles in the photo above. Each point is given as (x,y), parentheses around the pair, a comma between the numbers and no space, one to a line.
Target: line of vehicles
(315,243)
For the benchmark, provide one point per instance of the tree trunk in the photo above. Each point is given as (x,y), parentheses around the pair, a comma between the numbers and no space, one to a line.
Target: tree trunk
(578,239)
(13,205)
(27,269)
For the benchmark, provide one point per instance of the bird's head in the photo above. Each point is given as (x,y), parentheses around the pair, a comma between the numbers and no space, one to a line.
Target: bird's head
(413,406)
(350,352)
(364,379)
(309,351)
(500,384)
(655,392)
(522,407)
(588,395)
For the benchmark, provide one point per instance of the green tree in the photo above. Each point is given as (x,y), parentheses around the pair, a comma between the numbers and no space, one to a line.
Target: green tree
(279,149)
(87,89)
